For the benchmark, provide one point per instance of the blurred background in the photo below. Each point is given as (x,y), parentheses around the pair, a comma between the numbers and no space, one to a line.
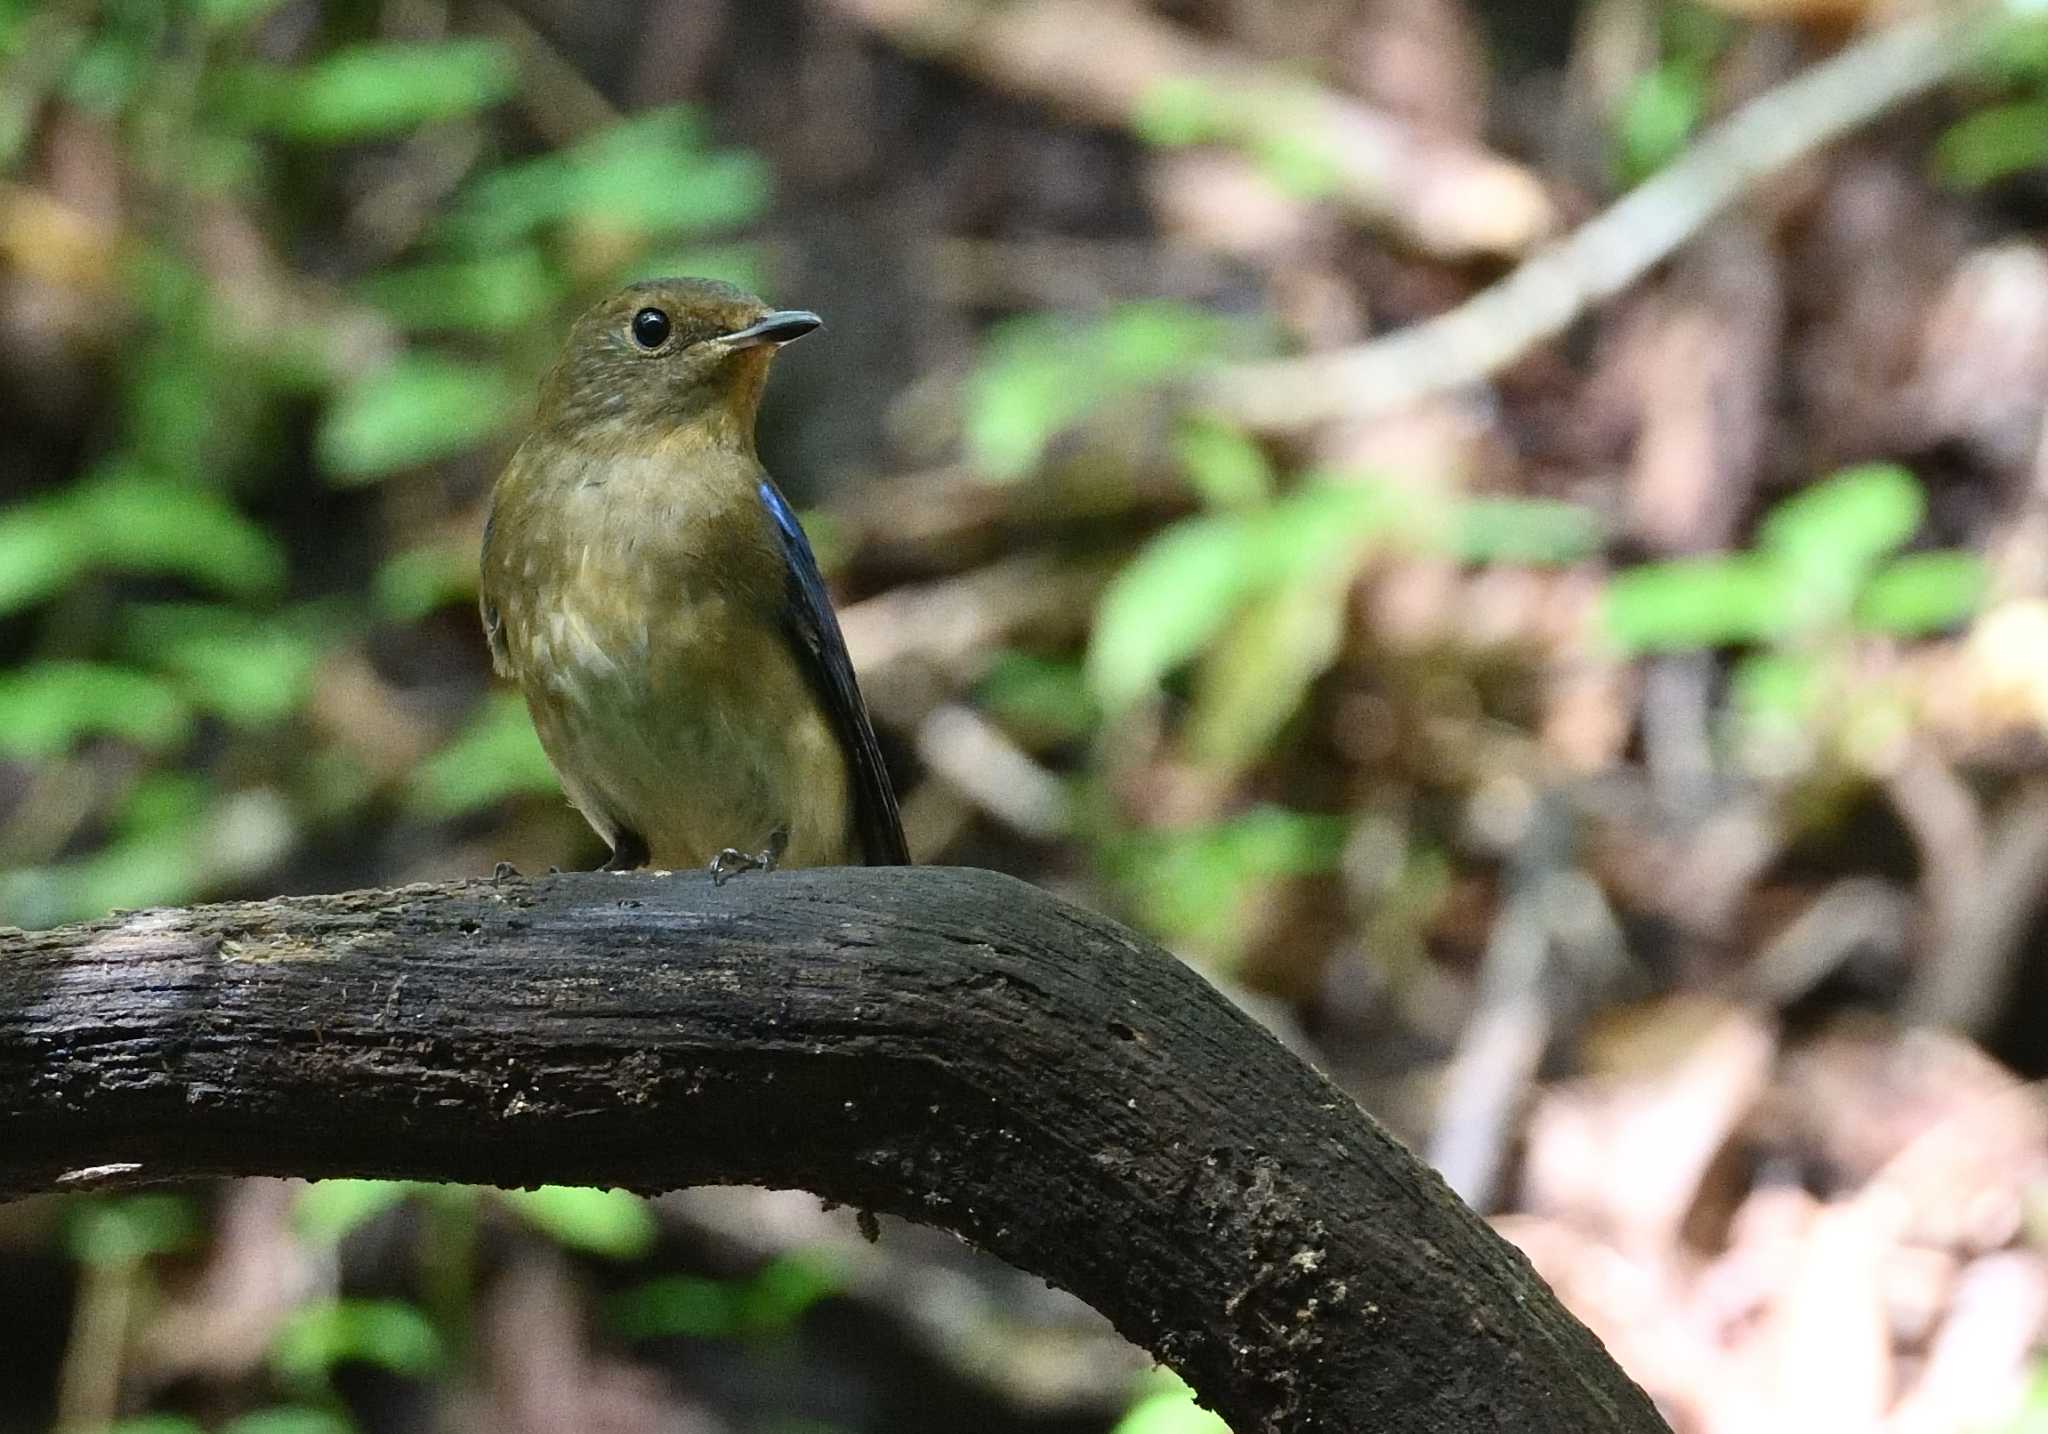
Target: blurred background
(1604,730)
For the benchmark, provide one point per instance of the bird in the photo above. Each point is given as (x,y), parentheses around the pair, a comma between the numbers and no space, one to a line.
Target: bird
(648,587)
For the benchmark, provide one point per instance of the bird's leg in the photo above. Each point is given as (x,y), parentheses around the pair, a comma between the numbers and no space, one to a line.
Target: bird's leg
(732,861)
(629,851)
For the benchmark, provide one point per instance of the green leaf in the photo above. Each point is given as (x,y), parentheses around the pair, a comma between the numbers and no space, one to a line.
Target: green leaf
(1923,593)
(789,1287)
(1172,1410)
(1524,530)
(46,707)
(232,14)
(329,1211)
(1780,689)
(1691,603)
(131,520)
(1185,585)
(615,1223)
(1039,375)
(376,90)
(1047,699)
(251,670)
(1180,110)
(485,294)
(417,582)
(674,1306)
(1659,115)
(742,265)
(1190,883)
(387,1333)
(413,412)
(40,552)
(289,1419)
(497,756)
(1253,681)
(122,1230)
(1830,536)
(1226,467)
(649,175)
(1995,143)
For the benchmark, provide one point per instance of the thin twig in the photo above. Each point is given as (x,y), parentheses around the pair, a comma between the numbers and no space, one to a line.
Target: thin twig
(1561,282)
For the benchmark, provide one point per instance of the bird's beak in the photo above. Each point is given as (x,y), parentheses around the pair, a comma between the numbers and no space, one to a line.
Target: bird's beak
(780,327)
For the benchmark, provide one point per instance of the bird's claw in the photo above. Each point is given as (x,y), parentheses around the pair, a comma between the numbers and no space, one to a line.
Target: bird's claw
(732,861)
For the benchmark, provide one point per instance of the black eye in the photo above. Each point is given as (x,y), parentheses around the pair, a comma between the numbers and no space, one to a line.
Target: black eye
(650,328)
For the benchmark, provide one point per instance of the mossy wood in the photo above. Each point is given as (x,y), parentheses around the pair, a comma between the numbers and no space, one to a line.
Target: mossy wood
(951,1046)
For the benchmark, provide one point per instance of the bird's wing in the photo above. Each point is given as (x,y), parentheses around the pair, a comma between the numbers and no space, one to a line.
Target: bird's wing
(813,632)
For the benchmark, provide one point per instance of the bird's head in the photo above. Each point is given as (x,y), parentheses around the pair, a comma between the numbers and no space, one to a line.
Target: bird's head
(666,359)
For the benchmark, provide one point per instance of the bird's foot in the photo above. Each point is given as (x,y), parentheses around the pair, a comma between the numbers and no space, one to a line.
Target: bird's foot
(629,852)
(732,861)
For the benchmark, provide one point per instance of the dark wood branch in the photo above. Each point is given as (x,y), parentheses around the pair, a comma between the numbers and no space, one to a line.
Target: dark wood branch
(951,1046)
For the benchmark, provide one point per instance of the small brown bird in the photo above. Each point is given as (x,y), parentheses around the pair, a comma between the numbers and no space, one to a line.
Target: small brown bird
(648,587)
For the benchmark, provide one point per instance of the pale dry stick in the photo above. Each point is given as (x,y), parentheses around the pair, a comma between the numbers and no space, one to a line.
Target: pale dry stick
(1000,777)
(1112,64)
(1561,282)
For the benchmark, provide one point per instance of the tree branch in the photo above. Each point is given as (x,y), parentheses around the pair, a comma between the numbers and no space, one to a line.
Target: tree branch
(1559,283)
(947,1045)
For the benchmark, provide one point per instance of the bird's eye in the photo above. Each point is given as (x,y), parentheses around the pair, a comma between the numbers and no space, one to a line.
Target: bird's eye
(650,328)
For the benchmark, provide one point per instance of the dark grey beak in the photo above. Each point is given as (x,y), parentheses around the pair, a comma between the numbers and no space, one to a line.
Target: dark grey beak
(780,327)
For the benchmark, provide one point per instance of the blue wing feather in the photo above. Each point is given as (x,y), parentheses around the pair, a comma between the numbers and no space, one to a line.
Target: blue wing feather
(813,632)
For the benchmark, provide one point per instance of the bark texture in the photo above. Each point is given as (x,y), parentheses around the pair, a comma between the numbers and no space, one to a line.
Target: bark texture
(951,1046)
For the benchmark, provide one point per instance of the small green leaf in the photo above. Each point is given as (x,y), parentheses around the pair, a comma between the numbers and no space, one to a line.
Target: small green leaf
(1777,688)
(1181,589)
(157,1424)
(1995,143)
(46,707)
(1180,110)
(1690,603)
(487,294)
(40,552)
(1830,536)
(329,1211)
(742,265)
(289,1419)
(1189,883)
(1923,593)
(233,14)
(1659,115)
(1171,1410)
(1524,530)
(131,520)
(124,1229)
(1046,698)
(649,175)
(1040,375)
(615,1223)
(1256,676)
(1226,467)
(250,670)
(375,90)
(417,410)
(787,1288)
(497,756)
(387,1333)
(674,1306)
(419,581)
